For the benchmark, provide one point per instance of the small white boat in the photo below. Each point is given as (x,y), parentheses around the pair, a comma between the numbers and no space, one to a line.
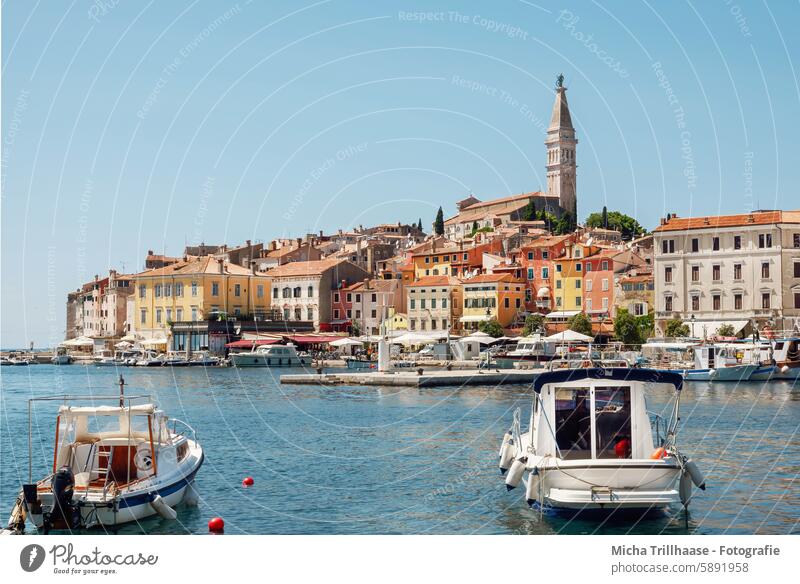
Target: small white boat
(269,356)
(590,444)
(203,359)
(783,355)
(106,358)
(61,357)
(112,464)
(151,359)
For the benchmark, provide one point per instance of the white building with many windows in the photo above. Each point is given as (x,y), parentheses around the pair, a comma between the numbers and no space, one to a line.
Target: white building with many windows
(742,270)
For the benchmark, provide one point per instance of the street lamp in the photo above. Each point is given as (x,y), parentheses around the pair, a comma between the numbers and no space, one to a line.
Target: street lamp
(691,318)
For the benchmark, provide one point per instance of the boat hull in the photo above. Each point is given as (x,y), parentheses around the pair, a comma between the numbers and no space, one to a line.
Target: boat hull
(264,361)
(609,485)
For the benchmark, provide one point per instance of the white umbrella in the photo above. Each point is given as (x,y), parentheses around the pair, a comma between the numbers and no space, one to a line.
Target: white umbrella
(569,336)
(481,337)
(130,337)
(346,343)
(153,342)
(78,342)
(122,345)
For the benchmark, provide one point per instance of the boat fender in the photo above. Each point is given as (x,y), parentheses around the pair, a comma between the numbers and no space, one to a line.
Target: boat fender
(532,488)
(658,454)
(784,369)
(190,496)
(160,506)
(685,489)
(515,473)
(506,437)
(712,373)
(694,472)
(507,455)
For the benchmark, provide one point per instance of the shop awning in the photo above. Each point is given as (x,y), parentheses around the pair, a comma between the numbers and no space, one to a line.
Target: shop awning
(562,314)
(475,318)
(309,339)
(247,343)
(710,327)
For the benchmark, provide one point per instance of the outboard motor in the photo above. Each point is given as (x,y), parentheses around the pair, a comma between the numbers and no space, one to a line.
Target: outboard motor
(65,514)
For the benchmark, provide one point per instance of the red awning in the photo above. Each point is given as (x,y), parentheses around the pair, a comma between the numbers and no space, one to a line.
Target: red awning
(246,343)
(312,338)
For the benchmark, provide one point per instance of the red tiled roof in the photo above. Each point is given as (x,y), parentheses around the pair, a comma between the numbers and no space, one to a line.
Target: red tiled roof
(719,221)
(435,281)
(312,268)
(487,278)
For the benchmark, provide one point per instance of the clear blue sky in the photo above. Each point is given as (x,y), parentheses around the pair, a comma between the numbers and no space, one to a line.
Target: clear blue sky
(130,126)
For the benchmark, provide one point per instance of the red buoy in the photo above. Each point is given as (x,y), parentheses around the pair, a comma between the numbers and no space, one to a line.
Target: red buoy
(248,482)
(216,525)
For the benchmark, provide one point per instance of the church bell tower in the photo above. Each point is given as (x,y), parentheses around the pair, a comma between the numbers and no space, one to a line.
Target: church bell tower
(560,143)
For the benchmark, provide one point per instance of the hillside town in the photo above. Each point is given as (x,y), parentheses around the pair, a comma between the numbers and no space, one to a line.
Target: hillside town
(511,265)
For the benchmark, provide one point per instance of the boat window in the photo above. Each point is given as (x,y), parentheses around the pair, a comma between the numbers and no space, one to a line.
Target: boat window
(612,411)
(573,422)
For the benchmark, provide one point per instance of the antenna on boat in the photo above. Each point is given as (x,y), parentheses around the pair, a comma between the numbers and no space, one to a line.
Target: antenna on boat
(121,391)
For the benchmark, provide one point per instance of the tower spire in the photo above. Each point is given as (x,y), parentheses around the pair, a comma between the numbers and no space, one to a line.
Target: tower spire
(560,143)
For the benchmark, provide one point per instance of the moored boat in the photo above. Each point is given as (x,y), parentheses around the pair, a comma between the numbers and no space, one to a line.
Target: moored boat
(269,356)
(112,464)
(590,444)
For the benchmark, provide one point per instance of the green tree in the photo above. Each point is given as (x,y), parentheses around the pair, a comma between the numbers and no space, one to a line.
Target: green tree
(438,225)
(355,329)
(529,212)
(676,328)
(726,330)
(627,226)
(580,323)
(627,329)
(564,224)
(533,323)
(419,225)
(491,328)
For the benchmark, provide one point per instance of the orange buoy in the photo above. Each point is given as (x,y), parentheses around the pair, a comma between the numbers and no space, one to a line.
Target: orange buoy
(658,453)
(216,525)
(248,482)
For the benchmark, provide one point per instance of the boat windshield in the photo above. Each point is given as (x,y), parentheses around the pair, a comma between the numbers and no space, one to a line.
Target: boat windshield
(606,409)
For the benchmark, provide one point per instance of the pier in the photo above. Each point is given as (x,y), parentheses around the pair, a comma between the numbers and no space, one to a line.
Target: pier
(415,379)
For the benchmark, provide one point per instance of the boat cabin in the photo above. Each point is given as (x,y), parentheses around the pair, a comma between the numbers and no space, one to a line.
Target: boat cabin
(593,414)
(107,444)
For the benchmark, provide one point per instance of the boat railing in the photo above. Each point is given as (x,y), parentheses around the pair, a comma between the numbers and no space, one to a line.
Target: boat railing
(660,425)
(516,430)
(185,429)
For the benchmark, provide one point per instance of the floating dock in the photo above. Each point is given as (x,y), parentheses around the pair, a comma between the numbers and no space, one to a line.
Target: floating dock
(413,378)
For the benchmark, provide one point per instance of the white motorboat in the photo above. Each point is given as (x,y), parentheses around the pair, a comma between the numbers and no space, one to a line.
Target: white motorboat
(106,358)
(783,354)
(151,359)
(704,362)
(61,357)
(269,356)
(112,464)
(590,444)
(203,359)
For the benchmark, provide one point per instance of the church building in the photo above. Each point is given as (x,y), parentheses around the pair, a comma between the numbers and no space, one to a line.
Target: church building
(560,197)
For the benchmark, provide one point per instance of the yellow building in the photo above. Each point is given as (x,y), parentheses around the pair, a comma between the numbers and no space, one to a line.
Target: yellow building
(492,296)
(396,321)
(191,290)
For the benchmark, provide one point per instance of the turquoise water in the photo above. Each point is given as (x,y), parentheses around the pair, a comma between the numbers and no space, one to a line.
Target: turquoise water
(402,460)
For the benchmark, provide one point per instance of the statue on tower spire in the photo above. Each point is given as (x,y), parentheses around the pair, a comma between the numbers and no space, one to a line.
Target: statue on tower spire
(560,80)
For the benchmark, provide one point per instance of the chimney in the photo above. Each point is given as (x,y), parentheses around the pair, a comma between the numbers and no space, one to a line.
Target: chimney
(221,265)
(273,245)
(253,267)
(366,283)
(320,234)
(299,240)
